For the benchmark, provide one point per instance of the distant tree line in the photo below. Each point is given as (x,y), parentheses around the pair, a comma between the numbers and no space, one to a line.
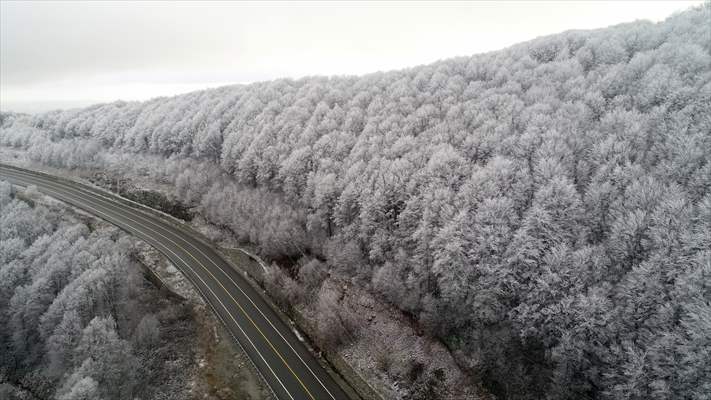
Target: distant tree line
(545,210)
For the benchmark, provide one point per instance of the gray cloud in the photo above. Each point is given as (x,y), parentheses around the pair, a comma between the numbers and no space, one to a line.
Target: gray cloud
(135,50)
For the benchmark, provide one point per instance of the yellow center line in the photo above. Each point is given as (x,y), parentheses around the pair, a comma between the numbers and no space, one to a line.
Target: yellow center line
(233,299)
(248,317)
(113,203)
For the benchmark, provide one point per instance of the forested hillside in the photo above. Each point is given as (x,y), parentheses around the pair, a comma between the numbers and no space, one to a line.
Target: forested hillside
(79,321)
(544,210)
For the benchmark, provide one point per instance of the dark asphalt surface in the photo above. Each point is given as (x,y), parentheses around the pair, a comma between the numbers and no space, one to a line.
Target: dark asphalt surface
(288,367)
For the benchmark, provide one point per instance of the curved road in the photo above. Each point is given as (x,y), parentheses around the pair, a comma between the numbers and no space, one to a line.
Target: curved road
(287,366)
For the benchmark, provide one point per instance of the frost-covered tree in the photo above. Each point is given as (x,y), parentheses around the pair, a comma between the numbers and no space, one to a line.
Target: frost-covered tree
(62,287)
(537,208)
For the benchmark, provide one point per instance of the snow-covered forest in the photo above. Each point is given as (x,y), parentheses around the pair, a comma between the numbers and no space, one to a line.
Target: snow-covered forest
(79,320)
(544,210)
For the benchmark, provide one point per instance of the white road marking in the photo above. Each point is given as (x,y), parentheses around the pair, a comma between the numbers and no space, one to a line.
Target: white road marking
(108,217)
(106,198)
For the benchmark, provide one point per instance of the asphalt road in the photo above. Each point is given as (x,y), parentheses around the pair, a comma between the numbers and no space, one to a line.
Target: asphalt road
(288,367)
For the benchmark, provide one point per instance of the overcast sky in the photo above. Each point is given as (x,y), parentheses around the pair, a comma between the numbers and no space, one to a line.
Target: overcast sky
(70,54)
